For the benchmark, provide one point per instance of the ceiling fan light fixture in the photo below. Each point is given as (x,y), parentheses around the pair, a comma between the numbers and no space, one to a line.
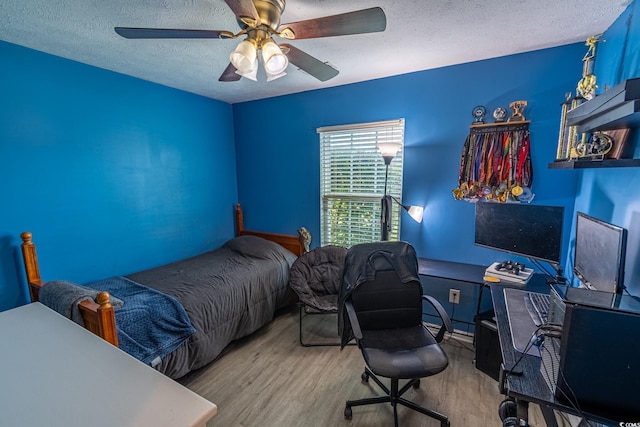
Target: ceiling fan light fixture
(244,57)
(275,62)
(251,74)
(271,77)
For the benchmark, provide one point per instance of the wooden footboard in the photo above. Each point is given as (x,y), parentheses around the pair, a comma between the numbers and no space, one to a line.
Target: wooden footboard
(99,316)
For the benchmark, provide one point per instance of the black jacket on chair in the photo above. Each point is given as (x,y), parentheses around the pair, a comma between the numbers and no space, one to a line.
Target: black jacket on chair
(364,260)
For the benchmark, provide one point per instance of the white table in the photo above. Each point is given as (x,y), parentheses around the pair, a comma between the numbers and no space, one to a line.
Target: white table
(53,372)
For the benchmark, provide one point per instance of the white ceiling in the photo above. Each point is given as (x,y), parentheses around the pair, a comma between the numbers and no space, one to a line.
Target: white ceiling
(420,35)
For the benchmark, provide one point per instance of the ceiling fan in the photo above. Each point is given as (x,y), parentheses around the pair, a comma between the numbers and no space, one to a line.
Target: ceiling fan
(259,21)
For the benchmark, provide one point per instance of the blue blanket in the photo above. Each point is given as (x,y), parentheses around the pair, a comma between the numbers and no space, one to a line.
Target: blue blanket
(150,324)
(64,296)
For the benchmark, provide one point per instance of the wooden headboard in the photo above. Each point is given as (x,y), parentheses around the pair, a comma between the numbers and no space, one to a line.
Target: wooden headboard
(295,244)
(99,316)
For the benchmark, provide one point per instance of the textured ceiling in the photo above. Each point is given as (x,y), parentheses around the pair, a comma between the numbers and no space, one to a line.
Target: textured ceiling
(420,35)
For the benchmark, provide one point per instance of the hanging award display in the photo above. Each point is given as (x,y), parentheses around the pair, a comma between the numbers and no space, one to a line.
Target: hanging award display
(495,163)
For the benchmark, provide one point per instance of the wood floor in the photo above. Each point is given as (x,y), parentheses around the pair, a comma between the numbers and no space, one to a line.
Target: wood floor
(269,379)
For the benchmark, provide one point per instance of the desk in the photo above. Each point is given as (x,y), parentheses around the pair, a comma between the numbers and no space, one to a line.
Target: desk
(526,385)
(458,271)
(56,373)
(472,274)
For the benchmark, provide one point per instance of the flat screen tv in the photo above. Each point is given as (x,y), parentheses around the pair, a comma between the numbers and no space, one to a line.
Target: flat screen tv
(599,254)
(531,231)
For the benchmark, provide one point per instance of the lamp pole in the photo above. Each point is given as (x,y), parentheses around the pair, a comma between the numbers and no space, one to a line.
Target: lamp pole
(388,150)
(385,211)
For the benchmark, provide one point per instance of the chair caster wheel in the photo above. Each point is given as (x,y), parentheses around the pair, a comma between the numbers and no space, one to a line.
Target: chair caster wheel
(416,384)
(348,413)
(364,377)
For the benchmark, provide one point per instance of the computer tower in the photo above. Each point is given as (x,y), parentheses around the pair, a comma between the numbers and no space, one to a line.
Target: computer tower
(487,345)
(596,361)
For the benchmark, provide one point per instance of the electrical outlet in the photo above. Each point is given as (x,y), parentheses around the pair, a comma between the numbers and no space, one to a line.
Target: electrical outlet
(454,296)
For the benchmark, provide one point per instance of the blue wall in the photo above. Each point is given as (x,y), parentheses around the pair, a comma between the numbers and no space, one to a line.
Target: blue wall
(612,194)
(279,134)
(111,174)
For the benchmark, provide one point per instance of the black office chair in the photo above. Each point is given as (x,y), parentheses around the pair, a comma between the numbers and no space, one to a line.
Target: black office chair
(380,305)
(316,277)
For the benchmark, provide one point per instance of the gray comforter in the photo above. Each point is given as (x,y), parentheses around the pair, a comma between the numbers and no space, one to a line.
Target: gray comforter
(227,293)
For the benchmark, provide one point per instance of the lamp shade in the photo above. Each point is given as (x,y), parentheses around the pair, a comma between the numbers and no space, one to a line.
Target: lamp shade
(415,212)
(275,62)
(244,57)
(389,149)
(253,74)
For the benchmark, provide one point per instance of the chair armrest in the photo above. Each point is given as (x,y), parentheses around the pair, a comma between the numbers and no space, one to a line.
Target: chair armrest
(446,321)
(353,319)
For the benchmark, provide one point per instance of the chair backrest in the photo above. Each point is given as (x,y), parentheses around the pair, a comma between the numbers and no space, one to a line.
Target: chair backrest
(318,274)
(388,303)
(381,281)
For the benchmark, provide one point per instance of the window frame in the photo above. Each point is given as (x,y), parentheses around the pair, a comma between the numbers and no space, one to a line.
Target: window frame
(362,188)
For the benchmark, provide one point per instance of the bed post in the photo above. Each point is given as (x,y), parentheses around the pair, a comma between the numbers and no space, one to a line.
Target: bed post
(99,317)
(239,220)
(31,267)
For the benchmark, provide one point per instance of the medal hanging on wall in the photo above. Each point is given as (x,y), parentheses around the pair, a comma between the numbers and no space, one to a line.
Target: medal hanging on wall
(495,164)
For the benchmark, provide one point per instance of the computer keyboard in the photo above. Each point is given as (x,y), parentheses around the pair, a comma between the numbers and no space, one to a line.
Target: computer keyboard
(538,307)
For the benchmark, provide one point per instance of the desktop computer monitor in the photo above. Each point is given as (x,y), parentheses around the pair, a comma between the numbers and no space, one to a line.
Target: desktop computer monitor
(599,254)
(531,231)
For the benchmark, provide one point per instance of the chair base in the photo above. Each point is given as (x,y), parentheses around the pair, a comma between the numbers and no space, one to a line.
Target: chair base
(393,396)
(303,313)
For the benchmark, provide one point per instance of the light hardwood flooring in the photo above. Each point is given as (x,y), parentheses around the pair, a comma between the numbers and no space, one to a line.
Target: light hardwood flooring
(269,379)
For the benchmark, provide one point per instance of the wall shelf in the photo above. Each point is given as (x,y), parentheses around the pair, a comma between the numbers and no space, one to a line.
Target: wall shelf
(592,164)
(617,108)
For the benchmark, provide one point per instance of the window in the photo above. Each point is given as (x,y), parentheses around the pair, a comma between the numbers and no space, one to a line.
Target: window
(352,178)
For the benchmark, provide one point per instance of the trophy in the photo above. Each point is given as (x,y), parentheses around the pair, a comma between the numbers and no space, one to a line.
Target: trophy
(587,85)
(517,107)
(596,147)
(500,114)
(563,142)
(478,115)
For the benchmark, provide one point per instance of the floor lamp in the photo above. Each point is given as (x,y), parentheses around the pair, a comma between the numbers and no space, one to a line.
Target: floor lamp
(388,151)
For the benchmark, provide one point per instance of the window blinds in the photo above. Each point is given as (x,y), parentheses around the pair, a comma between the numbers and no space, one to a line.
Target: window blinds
(352,180)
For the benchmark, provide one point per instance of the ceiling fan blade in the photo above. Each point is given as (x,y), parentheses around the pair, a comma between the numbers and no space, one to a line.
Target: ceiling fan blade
(245,10)
(164,33)
(358,22)
(309,64)
(229,74)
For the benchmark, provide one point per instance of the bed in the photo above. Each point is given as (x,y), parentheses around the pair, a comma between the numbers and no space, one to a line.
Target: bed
(227,293)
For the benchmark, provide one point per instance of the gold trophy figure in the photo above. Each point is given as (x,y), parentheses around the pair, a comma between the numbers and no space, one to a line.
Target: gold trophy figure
(518,108)
(587,85)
